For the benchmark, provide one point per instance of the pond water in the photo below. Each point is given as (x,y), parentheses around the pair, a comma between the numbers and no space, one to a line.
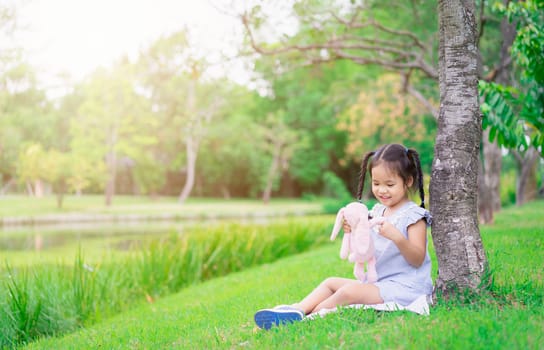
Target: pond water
(111,235)
(41,238)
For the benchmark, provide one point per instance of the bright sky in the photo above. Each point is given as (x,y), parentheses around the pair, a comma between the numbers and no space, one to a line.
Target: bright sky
(77,36)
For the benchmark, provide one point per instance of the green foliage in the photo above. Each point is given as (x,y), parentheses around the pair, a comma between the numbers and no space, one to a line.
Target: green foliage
(499,115)
(335,189)
(230,160)
(508,187)
(129,123)
(310,98)
(112,124)
(25,114)
(517,112)
(528,46)
(383,113)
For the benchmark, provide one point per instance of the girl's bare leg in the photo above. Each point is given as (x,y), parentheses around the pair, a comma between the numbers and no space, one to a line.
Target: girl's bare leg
(337,291)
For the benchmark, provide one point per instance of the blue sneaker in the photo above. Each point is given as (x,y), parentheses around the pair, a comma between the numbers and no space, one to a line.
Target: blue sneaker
(266,318)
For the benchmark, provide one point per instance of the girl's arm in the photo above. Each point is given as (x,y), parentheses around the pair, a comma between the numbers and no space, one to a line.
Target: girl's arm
(415,247)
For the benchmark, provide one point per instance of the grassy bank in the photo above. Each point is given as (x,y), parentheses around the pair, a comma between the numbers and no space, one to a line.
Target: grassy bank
(49,300)
(218,314)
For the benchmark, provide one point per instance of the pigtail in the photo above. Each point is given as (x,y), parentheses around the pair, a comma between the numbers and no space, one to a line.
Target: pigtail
(417,164)
(364,166)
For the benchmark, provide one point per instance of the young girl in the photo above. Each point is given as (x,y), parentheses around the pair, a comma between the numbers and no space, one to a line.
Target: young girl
(403,264)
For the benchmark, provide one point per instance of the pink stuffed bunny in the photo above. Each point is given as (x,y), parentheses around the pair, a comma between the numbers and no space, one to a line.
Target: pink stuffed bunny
(358,246)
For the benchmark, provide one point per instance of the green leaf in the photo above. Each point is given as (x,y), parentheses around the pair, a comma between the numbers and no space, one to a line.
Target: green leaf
(492,133)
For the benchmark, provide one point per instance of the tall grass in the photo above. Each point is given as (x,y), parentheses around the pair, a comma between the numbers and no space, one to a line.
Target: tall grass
(52,300)
(24,310)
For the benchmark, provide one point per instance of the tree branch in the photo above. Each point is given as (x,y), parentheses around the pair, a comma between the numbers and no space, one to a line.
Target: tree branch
(407,87)
(398,55)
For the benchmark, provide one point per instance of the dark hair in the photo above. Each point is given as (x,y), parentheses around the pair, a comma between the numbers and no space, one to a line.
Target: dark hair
(401,160)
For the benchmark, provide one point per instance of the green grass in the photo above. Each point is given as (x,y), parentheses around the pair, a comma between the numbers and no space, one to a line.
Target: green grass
(217,314)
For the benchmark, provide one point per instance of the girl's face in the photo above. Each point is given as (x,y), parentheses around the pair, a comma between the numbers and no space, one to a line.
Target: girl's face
(388,187)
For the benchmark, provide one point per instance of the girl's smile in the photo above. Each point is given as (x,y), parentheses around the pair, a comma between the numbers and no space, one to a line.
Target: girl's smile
(388,187)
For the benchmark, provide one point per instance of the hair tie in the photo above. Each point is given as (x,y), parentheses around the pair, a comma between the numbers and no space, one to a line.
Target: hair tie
(406,150)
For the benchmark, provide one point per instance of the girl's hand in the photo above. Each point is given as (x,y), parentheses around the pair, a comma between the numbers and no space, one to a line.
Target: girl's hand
(389,231)
(346,227)
(413,249)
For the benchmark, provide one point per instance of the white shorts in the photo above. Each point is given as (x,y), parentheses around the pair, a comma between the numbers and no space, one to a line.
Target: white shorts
(392,291)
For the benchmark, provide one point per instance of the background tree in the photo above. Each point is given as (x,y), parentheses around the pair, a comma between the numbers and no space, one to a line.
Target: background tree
(514,110)
(57,171)
(384,114)
(110,123)
(394,37)
(232,162)
(373,33)
(489,200)
(31,168)
(280,143)
(309,99)
(176,79)
(26,119)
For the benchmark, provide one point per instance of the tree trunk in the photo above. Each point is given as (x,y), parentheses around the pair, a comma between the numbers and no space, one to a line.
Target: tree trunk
(191,141)
(110,184)
(489,196)
(111,161)
(191,150)
(526,186)
(60,189)
(6,186)
(225,191)
(272,172)
(489,191)
(29,189)
(38,188)
(454,179)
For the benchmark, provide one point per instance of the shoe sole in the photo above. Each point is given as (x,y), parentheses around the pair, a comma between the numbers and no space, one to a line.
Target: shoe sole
(265,319)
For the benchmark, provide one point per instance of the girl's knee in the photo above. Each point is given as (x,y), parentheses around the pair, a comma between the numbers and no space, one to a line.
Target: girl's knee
(347,293)
(332,283)
(328,281)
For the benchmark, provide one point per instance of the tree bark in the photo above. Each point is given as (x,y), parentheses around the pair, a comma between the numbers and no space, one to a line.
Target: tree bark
(5,187)
(112,176)
(526,186)
(29,189)
(272,171)
(454,179)
(191,141)
(489,178)
(191,150)
(111,161)
(38,188)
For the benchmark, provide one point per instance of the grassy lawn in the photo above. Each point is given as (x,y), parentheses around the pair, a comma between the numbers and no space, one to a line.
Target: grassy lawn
(23,206)
(217,314)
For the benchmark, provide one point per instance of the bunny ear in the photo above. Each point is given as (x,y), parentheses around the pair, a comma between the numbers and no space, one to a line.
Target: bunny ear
(337,224)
